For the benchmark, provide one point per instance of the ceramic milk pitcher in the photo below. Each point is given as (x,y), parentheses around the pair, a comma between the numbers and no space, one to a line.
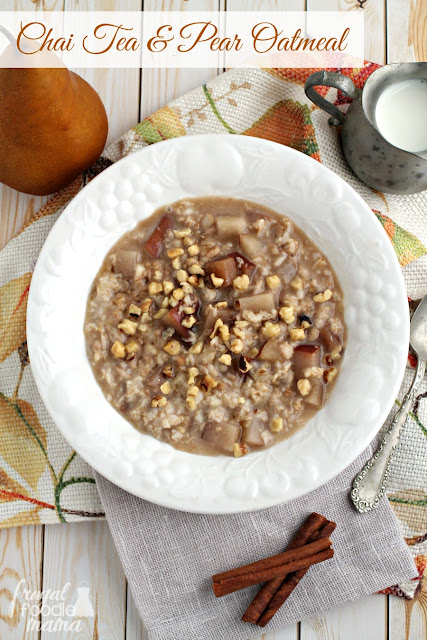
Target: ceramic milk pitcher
(393,104)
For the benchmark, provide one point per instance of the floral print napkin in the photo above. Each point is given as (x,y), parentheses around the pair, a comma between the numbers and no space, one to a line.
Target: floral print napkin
(41,479)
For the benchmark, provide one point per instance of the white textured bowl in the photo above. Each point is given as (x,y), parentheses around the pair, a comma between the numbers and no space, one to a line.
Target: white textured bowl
(333,216)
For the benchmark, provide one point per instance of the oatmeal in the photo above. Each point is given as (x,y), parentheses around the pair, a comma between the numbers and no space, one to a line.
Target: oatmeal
(216,326)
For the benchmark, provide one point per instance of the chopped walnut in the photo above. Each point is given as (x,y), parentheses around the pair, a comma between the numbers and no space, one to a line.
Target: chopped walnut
(193,250)
(181,275)
(236,346)
(187,288)
(167,371)
(131,346)
(304,387)
(134,310)
(196,348)
(336,353)
(182,233)
(154,288)
(296,283)
(193,372)
(172,347)
(178,294)
(297,334)
(193,391)
(239,333)
(225,359)
(166,387)
(161,312)
(191,402)
(221,305)
(273,282)
(241,283)
(146,305)
(239,449)
(323,297)
(196,270)
(208,383)
(128,327)
(217,282)
(218,323)
(196,281)
(276,424)
(175,252)
(287,314)
(330,374)
(158,401)
(224,332)
(314,372)
(188,322)
(270,330)
(176,263)
(118,350)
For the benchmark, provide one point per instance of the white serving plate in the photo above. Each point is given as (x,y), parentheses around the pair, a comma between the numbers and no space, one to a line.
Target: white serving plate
(332,214)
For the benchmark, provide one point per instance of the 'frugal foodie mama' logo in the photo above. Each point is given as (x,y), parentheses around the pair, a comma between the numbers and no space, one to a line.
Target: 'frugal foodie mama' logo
(48,610)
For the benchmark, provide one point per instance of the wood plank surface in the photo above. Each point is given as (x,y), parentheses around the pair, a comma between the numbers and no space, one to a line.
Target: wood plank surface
(160,86)
(406,30)
(21,554)
(364,619)
(83,556)
(83,553)
(375,24)
(407,42)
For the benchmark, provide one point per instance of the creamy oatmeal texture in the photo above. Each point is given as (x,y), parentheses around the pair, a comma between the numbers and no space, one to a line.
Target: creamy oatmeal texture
(216,326)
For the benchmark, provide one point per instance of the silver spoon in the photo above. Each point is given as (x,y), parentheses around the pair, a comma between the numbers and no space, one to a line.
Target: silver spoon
(370,484)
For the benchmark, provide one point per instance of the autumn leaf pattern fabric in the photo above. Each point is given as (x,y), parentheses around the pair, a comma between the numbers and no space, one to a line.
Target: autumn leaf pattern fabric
(41,479)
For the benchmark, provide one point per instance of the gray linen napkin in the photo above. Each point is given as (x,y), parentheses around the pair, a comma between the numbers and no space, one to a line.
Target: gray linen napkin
(168,557)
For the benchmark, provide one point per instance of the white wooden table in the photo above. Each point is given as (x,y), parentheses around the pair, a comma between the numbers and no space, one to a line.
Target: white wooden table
(84,554)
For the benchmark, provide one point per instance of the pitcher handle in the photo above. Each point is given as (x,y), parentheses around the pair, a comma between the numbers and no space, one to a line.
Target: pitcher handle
(330,79)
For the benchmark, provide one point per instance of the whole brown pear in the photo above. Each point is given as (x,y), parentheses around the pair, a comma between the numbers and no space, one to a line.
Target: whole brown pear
(53,126)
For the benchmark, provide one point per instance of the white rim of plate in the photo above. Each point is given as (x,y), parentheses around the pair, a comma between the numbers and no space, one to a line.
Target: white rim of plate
(332,214)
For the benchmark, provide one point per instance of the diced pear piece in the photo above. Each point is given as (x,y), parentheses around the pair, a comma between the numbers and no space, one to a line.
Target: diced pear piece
(270,351)
(229,226)
(243,264)
(126,262)
(305,357)
(329,339)
(252,433)
(225,268)
(259,302)
(288,270)
(251,245)
(154,244)
(316,397)
(222,436)
(173,318)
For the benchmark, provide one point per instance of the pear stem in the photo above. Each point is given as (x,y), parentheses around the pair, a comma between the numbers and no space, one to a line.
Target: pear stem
(8,35)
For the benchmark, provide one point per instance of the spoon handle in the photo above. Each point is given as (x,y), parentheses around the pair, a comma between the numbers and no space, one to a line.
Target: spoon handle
(370,484)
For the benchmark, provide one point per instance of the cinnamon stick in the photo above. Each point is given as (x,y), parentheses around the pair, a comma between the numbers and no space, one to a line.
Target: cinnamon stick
(244,580)
(274,561)
(284,590)
(305,534)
